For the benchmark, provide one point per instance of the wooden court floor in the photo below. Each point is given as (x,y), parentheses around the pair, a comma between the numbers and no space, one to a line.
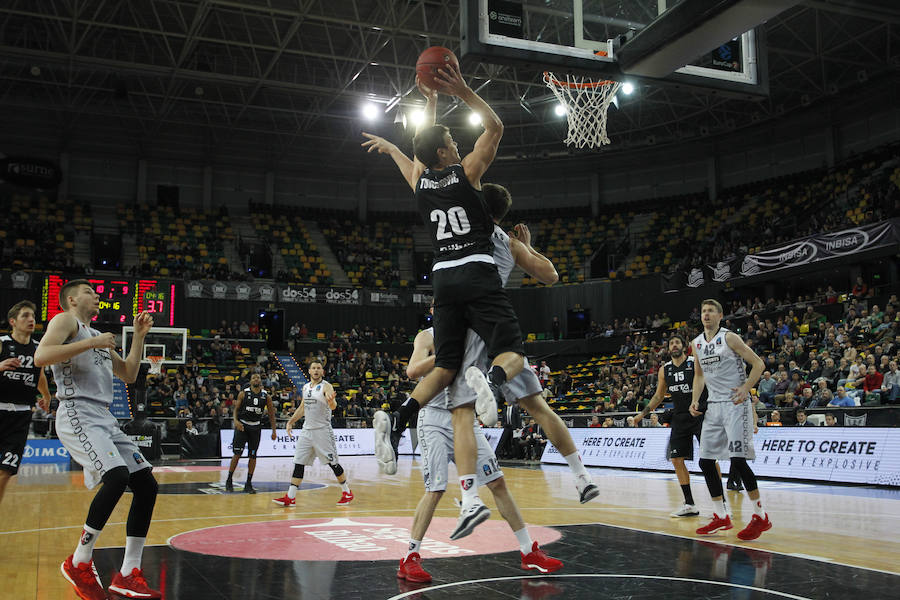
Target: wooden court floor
(45,506)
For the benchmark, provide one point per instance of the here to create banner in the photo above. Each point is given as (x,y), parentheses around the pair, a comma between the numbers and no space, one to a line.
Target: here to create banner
(349,442)
(843,454)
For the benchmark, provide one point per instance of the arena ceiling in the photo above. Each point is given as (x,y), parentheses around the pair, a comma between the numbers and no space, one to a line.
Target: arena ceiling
(283,80)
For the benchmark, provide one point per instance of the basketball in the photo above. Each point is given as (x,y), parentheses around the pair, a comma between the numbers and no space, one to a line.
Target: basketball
(431,60)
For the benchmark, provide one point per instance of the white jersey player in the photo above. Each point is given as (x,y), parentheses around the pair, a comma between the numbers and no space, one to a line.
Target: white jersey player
(435,425)
(83,361)
(728,422)
(316,438)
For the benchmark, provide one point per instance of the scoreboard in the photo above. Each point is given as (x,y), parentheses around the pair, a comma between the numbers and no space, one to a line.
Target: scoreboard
(120,299)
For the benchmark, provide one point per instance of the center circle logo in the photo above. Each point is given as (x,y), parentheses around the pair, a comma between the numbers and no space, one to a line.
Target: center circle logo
(350,539)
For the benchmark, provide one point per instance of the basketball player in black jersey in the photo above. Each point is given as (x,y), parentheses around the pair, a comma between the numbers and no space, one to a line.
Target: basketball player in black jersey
(247,417)
(468,292)
(20,380)
(676,377)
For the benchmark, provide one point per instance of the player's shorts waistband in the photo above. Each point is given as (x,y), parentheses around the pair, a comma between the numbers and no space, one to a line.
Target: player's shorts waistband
(14,407)
(449,264)
(251,423)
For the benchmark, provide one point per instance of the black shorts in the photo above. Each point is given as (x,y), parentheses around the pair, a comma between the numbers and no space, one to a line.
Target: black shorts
(13,436)
(684,429)
(249,436)
(471,296)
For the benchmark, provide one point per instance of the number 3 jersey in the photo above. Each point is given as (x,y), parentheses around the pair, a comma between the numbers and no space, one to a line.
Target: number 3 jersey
(19,385)
(316,414)
(457,217)
(723,368)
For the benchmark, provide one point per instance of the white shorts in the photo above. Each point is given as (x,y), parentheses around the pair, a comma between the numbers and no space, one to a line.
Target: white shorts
(436,446)
(526,383)
(92,436)
(316,442)
(727,431)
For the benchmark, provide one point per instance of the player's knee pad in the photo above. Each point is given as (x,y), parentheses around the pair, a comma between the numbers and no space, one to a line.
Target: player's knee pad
(338,469)
(748,477)
(116,479)
(143,483)
(298,471)
(711,474)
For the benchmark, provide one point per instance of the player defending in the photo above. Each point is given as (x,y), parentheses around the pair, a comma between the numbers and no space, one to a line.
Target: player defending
(316,438)
(728,422)
(676,377)
(436,441)
(84,361)
(20,379)
(247,418)
(467,288)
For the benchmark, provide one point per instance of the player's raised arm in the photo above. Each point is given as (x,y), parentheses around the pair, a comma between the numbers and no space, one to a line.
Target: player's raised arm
(697,391)
(421,361)
(530,260)
(657,398)
(52,349)
(476,162)
(127,369)
(410,169)
(757,366)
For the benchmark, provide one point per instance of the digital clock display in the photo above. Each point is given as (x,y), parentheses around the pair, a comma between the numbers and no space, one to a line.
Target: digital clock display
(120,299)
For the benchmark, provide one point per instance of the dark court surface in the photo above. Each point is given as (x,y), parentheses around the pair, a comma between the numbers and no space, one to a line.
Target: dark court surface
(600,562)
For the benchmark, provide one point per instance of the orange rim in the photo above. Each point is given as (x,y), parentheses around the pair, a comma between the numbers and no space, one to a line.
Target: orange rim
(549,78)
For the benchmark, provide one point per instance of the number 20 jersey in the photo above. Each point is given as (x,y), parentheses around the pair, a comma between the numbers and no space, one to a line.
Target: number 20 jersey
(456,215)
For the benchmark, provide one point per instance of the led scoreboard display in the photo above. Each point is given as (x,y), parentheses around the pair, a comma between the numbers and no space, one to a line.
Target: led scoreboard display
(120,299)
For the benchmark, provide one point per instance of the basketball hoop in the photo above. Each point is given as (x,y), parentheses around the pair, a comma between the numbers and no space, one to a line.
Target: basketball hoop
(586,102)
(156,363)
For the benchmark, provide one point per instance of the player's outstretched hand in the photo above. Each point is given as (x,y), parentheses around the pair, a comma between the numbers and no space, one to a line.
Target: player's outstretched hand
(377,143)
(426,91)
(451,81)
(10,363)
(104,340)
(142,323)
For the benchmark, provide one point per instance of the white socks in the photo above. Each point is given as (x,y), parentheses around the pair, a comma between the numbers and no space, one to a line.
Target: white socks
(292,491)
(85,547)
(525,543)
(134,548)
(414,546)
(576,465)
(345,487)
(758,508)
(719,508)
(469,488)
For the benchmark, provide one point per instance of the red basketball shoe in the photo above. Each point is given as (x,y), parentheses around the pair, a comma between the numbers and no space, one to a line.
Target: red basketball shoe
(717,524)
(84,579)
(285,501)
(132,586)
(411,569)
(755,528)
(536,560)
(346,498)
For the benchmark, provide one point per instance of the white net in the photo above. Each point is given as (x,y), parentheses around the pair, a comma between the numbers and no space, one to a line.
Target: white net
(156,363)
(586,102)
